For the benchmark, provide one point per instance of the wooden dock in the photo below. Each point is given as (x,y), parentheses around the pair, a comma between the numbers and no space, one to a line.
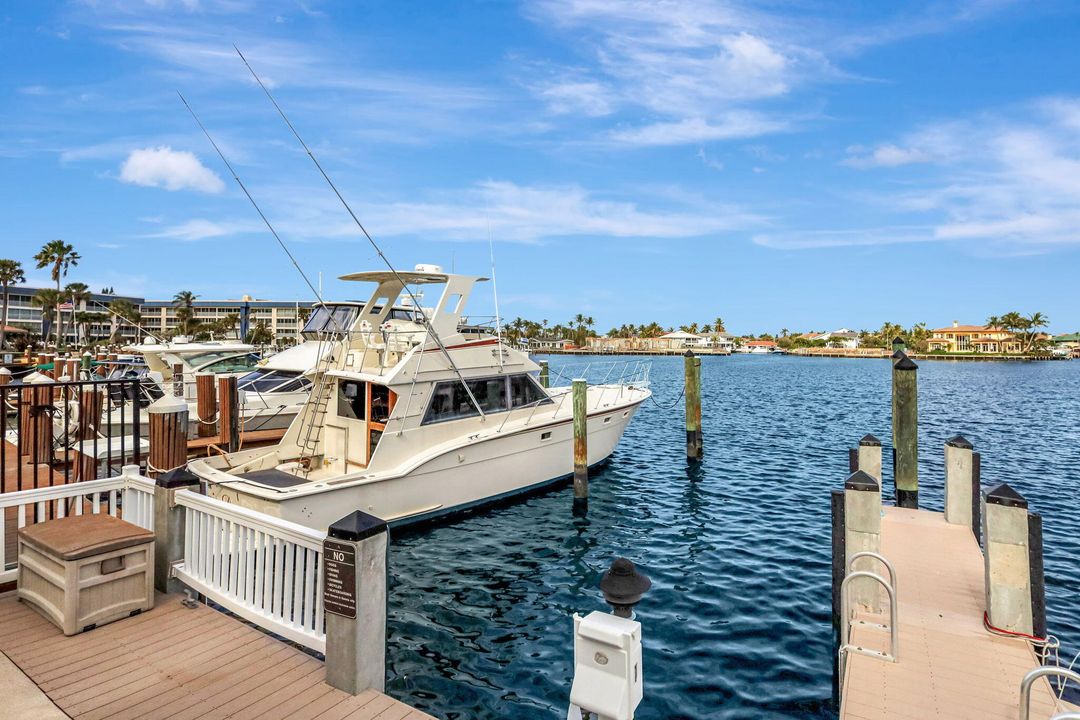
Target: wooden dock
(949,665)
(21,474)
(178,663)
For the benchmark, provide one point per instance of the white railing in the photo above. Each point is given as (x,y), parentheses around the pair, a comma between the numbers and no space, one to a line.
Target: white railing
(266,570)
(129,496)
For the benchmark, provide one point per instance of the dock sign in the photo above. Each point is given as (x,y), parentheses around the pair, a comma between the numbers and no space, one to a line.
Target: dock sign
(339,578)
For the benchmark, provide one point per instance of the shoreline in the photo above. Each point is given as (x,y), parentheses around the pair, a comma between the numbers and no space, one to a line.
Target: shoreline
(818,353)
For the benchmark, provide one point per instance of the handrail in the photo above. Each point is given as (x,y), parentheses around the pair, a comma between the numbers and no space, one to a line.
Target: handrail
(282,529)
(1031,677)
(845,622)
(884,561)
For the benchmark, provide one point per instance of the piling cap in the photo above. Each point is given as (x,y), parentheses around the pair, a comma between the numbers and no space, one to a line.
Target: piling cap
(355,526)
(898,340)
(689,353)
(905,363)
(167,404)
(897,354)
(959,441)
(861,481)
(870,441)
(1005,496)
(623,585)
(178,477)
(4,371)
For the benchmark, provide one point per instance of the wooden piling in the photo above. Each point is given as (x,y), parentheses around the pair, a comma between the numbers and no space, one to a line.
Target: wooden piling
(228,414)
(545,380)
(101,370)
(581,441)
(35,421)
(905,410)
(206,404)
(91,401)
(5,376)
(692,392)
(168,434)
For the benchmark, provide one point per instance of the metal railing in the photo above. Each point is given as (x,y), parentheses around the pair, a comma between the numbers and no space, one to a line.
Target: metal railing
(129,496)
(846,646)
(264,569)
(1029,680)
(69,430)
(616,372)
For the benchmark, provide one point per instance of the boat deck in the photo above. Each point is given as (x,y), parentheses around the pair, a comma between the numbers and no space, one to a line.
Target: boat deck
(174,662)
(949,665)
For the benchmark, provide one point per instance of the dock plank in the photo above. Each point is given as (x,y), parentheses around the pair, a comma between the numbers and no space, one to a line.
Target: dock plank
(175,663)
(949,665)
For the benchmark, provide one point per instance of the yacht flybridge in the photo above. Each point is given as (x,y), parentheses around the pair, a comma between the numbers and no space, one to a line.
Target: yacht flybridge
(409,418)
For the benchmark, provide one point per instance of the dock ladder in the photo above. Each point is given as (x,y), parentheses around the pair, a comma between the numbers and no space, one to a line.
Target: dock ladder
(1029,679)
(845,612)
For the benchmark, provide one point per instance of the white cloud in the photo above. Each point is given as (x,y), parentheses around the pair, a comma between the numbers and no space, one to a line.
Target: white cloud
(736,124)
(170,169)
(587,98)
(201,229)
(887,155)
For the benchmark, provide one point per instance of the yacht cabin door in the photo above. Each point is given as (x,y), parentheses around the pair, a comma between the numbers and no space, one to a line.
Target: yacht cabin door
(346,428)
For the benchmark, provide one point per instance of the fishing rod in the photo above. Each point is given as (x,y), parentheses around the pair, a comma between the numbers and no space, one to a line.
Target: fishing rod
(427,323)
(134,324)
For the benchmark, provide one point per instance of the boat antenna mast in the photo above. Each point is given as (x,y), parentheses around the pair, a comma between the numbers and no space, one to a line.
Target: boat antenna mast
(427,323)
(495,292)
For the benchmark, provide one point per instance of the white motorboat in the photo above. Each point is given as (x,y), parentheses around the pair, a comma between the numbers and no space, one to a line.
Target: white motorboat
(410,418)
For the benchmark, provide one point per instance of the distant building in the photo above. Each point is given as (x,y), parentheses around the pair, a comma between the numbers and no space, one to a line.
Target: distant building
(280,316)
(974,339)
(1067,344)
(843,337)
(23,313)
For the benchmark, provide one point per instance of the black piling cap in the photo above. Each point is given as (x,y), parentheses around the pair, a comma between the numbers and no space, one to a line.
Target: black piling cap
(898,340)
(179,477)
(688,353)
(897,354)
(357,525)
(959,441)
(1005,496)
(860,480)
(905,363)
(870,441)
(623,586)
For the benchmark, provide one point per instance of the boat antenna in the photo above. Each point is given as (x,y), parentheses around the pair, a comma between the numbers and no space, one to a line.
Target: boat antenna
(136,325)
(427,323)
(495,292)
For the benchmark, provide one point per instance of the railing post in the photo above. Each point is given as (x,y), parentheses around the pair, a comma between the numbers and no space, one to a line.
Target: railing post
(959,470)
(206,404)
(1012,537)
(169,525)
(692,393)
(581,441)
(862,533)
(168,434)
(545,378)
(354,600)
(905,412)
(228,414)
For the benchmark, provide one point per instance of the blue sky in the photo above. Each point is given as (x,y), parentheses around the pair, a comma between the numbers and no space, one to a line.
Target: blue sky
(795,165)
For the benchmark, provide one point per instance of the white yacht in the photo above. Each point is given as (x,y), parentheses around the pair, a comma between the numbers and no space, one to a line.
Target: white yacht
(410,418)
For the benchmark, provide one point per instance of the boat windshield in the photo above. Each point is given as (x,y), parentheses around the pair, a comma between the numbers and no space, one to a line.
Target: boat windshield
(330,319)
(266,381)
(220,362)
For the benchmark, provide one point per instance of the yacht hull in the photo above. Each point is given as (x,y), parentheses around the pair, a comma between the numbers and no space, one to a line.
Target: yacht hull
(477,473)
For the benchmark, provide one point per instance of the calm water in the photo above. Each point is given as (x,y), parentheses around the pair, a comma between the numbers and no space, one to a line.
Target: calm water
(737,622)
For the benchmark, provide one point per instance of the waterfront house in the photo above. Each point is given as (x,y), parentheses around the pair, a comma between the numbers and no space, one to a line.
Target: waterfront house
(1067,344)
(974,339)
(842,338)
(680,340)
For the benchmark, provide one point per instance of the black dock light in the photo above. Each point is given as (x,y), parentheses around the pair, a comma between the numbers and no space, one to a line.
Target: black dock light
(898,346)
(623,587)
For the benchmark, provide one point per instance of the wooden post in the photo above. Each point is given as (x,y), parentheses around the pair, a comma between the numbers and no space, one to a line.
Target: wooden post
(168,434)
(545,380)
(905,404)
(862,533)
(90,404)
(581,441)
(86,361)
(692,392)
(37,401)
(5,376)
(1015,592)
(101,370)
(958,473)
(206,404)
(354,600)
(228,414)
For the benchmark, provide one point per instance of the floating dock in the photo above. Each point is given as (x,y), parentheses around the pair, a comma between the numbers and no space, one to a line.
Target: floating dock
(173,662)
(949,665)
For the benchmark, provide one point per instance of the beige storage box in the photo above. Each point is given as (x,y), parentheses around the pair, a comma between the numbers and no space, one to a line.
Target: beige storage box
(86,570)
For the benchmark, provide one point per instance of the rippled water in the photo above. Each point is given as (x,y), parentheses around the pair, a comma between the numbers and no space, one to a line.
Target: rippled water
(737,622)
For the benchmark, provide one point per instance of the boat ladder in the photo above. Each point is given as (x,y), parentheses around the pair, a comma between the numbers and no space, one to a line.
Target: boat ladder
(846,621)
(318,401)
(1031,677)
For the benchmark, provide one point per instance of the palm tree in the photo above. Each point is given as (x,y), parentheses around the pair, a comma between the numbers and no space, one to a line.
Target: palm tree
(718,325)
(1034,322)
(47,299)
(60,256)
(11,272)
(184,301)
(78,293)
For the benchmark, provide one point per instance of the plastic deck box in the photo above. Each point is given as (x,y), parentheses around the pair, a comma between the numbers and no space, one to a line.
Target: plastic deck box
(86,570)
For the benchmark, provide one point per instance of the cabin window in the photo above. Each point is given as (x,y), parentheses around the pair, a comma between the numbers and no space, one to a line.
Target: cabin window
(449,401)
(378,305)
(351,402)
(525,392)
(380,403)
(240,363)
